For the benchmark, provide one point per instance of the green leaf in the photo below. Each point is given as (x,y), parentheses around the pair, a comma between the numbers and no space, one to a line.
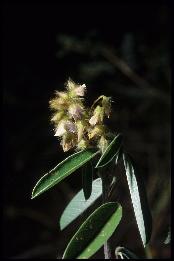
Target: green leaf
(124,253)
(62,170)
(110,152)
(87,176)
(78,204)
(93,233)
(139,200)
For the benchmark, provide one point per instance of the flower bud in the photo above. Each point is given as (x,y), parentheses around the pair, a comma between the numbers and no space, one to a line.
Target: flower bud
(58,104)
(97,116)
(57,117)
(70,127)
(103,143)
(70,85)
(62,95)
(106,103)
(83,144)
(68,142)
(60,131)
(80,90)
(98,130)
(74,89)
(76,111)
(80,129)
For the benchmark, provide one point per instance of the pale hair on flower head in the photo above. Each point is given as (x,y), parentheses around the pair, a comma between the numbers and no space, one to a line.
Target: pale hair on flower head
(77,126)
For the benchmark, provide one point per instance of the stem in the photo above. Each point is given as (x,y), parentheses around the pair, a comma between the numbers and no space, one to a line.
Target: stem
(105,192)
(148,252)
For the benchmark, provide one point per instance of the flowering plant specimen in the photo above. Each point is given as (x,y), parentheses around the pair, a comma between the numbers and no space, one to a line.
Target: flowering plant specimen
(84,130)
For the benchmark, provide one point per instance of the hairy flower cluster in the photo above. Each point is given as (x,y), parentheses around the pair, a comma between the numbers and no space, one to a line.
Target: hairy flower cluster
(77,126)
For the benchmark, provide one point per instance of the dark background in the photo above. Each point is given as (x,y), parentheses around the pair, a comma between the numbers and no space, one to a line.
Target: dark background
(45,44)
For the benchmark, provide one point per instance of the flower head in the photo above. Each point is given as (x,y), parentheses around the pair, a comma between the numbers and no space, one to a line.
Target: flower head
(77,126)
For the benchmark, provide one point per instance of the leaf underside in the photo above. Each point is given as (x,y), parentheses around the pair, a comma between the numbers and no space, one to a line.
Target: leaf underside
(78,204)
(139,200)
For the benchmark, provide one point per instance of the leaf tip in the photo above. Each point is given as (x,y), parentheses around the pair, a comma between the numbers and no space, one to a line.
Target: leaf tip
(62,226)
(96,167)
(33,195)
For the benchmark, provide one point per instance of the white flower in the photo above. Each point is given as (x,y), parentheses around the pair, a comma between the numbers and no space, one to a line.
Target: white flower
(97,116)
(60,129)
(64,127)
(76,111)
(93,120)
(80,91)
(70,126)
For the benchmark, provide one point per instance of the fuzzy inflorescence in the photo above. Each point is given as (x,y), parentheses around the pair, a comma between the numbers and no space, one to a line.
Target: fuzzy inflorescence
(78,126)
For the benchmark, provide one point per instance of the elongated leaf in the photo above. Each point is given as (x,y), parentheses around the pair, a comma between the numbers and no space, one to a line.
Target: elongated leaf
(110,152)
(139,200)
(62,170)
(124,253)
(78,204)
(87,176)
(93,233)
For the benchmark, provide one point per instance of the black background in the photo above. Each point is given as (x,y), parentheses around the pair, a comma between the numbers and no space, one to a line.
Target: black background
(31,73)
